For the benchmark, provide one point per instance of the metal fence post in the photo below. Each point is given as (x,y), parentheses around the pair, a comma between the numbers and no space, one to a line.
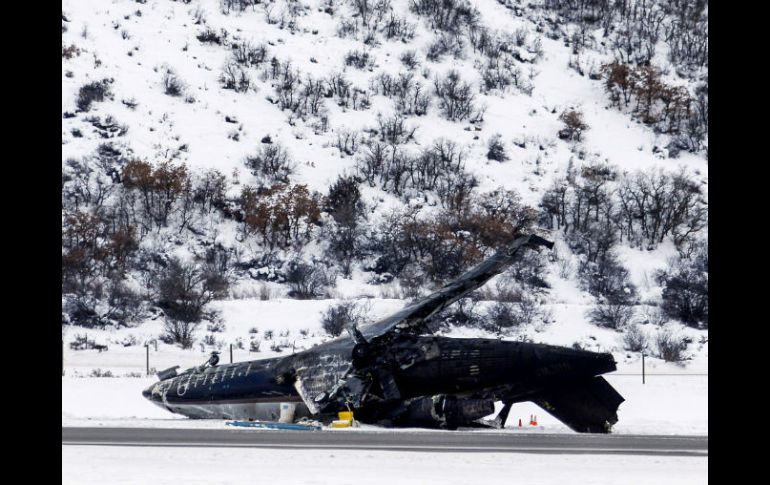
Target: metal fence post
(642,367)
(147,348)
(62,357)
(231,353)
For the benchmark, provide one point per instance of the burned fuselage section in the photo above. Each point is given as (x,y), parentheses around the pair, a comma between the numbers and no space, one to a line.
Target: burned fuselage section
(390,374)
(450,382)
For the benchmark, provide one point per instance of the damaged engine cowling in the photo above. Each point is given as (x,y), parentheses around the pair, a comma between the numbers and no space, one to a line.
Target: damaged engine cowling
(445,411)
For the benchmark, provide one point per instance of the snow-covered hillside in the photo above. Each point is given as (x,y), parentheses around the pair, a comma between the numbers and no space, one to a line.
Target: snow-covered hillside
(220,91)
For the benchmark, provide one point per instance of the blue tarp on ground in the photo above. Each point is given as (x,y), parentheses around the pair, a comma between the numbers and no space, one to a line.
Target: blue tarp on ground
(274,425)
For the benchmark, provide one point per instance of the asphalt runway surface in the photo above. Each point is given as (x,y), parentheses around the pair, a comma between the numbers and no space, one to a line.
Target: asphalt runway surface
(431,441)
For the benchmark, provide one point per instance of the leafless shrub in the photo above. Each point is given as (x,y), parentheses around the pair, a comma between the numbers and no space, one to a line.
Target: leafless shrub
(226,6)
(501,316)
(172,83)
(95,91)
(199,16)
(184,290)
(609,280)
(653,315)
(70,52)
(393,130)
(338,317)
(634,338)
(307,281)
(100,373)
(496,149)
(271,162)
(235,77)
(686,289)
(359,59)
(347,27)
(209,340)
(409,59)
(210,36)
(246,54)
(179,332)
(409,94)
(347,141)
(574,126)
(612,315)
(670,347)
(395,27)
(444,44)
(463,313)
(451,16)
(455,96)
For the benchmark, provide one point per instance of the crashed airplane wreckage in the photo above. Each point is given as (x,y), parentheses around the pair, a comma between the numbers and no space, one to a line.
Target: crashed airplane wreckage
(392,374)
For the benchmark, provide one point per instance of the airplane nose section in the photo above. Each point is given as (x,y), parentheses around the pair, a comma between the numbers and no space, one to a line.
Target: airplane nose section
(148,394)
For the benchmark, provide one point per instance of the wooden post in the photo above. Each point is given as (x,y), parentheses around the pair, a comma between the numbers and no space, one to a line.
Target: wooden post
(147,348)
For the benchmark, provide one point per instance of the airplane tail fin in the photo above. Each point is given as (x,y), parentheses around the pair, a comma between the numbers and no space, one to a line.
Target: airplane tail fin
(587,405)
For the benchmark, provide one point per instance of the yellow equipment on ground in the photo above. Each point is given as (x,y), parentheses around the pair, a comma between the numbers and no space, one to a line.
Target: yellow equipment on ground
(345,420)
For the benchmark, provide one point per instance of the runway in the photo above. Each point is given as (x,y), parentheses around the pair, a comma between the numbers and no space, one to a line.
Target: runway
(401,440)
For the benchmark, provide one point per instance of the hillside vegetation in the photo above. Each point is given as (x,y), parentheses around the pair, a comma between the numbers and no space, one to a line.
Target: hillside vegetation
(217,152)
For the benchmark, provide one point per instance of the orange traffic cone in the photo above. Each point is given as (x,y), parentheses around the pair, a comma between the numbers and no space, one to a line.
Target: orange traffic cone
(534,421)
(519,422)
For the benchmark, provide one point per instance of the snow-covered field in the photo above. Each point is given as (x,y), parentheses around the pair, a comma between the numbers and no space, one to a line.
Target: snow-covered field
(98,465)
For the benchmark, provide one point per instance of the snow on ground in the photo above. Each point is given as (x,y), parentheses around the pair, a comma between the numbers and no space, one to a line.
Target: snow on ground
(148,465)
(666,404)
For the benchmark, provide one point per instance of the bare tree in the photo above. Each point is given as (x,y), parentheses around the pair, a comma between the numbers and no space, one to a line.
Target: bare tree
(271,162)
(574,126)
(184,291)
(455,96)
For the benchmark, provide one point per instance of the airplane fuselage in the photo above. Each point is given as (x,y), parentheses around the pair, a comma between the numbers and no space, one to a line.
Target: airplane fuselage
(425,366)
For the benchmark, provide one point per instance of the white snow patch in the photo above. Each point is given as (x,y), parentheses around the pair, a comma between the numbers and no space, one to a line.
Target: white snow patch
(113,464)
